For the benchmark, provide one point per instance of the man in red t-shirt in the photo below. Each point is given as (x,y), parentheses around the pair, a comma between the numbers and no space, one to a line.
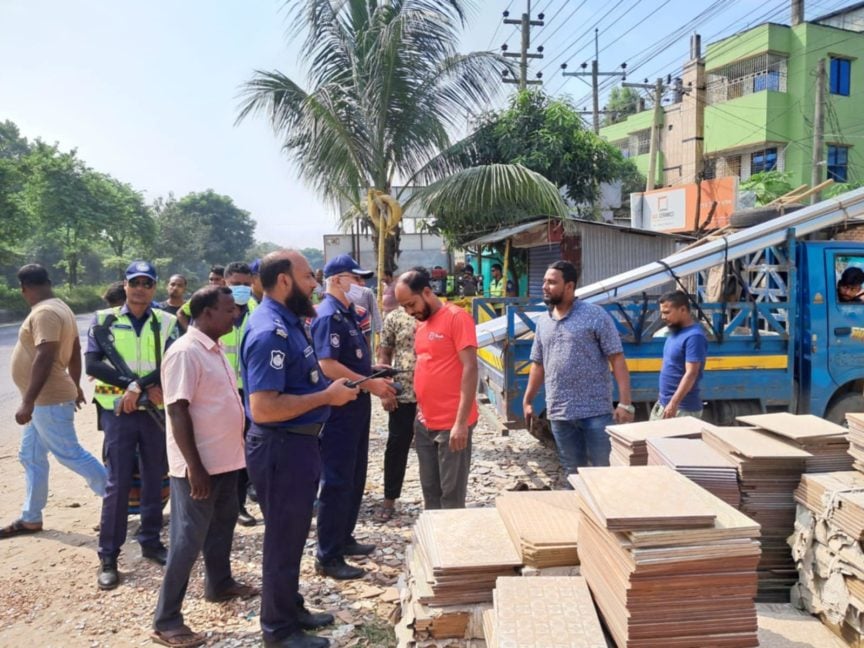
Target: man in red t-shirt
(445,383)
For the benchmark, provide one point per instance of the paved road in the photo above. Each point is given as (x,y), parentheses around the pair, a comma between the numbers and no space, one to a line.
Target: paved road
(8,392)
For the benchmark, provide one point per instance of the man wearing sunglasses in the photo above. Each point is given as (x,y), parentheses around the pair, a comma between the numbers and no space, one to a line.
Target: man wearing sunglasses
(139,334)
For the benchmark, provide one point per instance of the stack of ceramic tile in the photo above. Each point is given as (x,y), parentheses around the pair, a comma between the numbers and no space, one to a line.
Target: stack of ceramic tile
(668,563)
(543,525)
(629,440)
(461,552)
(769,469)
(838,496)
(826,546)
(425,623)
(826,441)
(856,439)
(700,463)
(541,613)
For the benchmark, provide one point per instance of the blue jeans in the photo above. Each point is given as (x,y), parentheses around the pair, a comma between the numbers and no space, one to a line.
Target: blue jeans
(581,441)
(52,429)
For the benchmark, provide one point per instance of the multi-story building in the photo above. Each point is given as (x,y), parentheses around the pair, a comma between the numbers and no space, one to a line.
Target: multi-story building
(749,105)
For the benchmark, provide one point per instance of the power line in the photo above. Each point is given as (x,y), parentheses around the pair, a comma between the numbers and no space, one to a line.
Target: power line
(587,31)
(564,22)
(497,27)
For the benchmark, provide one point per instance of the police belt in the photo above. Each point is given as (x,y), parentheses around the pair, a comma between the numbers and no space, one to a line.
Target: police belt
(305,429)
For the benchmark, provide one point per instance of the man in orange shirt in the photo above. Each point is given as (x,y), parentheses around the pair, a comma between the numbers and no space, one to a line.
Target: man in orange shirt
(445,383)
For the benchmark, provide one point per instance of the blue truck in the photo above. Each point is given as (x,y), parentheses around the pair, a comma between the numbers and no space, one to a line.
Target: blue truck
(780,338)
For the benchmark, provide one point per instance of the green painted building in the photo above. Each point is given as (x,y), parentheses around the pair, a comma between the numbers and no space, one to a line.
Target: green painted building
(758,92)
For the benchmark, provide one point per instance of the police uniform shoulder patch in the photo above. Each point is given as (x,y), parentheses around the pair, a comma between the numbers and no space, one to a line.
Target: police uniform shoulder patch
(277,359)
(335,341)
(281,332)
(337,316)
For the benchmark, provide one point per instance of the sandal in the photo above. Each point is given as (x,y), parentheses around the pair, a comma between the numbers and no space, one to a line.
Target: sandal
(233,591)
(18,528)
(385,513)
(181,637)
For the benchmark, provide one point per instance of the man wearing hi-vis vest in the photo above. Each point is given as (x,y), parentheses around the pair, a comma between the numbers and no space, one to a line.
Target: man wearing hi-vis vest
(139,335)
(238,277)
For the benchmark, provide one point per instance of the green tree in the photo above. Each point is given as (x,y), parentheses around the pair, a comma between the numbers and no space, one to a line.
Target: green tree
(315,257)
(541,134)
(767,185)
(386,83)
(59,196)
(201,229)
(621,103)
(14,219)
(129,226)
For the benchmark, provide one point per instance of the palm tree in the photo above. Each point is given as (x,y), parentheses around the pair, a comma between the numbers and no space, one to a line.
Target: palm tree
(386,84)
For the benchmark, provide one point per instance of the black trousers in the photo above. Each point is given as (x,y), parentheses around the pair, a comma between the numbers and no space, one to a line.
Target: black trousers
(401,433)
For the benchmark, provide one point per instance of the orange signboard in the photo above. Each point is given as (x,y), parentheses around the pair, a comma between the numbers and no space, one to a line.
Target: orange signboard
(673,209)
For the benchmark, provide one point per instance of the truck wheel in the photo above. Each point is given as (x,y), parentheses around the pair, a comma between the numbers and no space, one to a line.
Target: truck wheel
(850,402)
(750,217)
(725,412)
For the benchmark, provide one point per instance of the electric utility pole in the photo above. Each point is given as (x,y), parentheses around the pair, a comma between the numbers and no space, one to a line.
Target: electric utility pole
(656,125)
(526,24)
(595,75)
(817,160)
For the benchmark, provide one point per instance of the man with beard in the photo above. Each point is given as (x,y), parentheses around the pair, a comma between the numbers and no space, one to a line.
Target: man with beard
(288,400)
(344,353)
(574,345)
(445,384)
(684,356)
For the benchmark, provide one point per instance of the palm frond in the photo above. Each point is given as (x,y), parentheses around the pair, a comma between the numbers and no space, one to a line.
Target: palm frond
(480,199)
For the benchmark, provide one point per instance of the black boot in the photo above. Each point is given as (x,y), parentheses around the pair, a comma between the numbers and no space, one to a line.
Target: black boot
(244,518)
(109,578)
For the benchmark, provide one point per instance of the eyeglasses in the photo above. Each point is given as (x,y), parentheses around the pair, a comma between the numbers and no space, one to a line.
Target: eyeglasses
(141,283)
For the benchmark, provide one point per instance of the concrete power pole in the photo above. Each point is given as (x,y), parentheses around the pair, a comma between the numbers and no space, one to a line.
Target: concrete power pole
(817,160)
(595,75)
(526,24)
(656,125)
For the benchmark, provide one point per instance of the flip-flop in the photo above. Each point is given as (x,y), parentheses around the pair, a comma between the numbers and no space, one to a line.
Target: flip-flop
(236,590)
(385,514)
(182,637)
(17,528)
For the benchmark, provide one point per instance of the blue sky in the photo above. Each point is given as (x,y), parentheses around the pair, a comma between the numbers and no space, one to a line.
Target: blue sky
(146,91)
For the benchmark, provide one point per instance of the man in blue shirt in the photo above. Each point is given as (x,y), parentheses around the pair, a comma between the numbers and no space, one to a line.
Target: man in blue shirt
(344,353)
(683,360)
(288,401)
(575,346)
(140,335)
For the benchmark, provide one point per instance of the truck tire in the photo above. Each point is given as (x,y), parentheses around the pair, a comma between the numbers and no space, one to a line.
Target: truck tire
(757,215)
(842,405)
(725,412)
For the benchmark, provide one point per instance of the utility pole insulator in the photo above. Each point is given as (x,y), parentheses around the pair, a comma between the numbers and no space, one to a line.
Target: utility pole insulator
(526,24)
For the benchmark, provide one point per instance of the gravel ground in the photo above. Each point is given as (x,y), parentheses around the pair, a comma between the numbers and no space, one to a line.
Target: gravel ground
(48,593)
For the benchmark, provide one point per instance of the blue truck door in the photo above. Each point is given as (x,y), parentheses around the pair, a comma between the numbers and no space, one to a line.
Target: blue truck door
(844,326)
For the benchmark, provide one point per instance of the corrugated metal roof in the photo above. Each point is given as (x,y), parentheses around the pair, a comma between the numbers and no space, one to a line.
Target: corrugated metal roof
(504,234)
(507,232)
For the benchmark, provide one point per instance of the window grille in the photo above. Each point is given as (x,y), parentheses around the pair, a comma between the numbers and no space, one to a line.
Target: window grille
(763,72)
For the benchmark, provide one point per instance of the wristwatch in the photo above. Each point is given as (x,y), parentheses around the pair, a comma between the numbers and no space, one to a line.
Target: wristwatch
(133,387)
(629,408)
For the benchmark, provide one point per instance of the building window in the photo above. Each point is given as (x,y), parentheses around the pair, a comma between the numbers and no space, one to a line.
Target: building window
(763,161)
(841,73)
(640,142)
(838,163)
(623,146)
(755,74)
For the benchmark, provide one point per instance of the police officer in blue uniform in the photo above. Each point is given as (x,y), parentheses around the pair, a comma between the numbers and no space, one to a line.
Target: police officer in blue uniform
(288,400)
(343,353)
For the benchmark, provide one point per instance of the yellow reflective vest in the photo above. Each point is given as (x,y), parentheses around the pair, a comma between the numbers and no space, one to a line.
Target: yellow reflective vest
(232,340)
(139,352)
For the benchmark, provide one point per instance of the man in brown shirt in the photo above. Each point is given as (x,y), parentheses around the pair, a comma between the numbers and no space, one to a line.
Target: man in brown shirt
(46,368)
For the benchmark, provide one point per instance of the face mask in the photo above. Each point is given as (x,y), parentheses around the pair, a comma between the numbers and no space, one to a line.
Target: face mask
(241,294)
(354,293)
